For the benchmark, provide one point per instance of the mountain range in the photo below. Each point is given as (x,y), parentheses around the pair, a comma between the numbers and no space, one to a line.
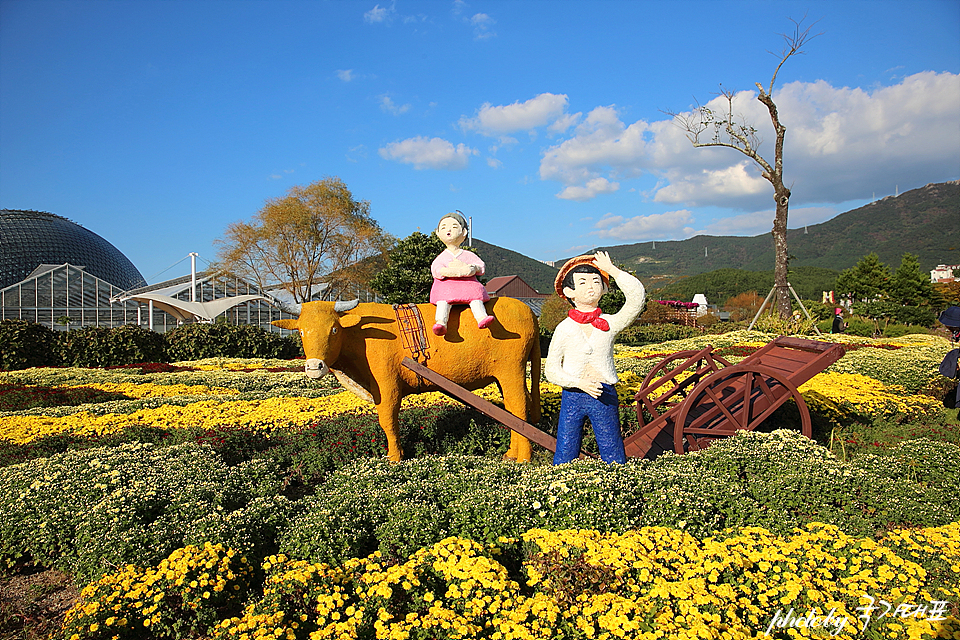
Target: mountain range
(924,222)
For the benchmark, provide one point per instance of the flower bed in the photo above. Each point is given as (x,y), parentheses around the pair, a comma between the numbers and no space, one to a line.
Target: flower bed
(875,379)
(647,583)
(713,543)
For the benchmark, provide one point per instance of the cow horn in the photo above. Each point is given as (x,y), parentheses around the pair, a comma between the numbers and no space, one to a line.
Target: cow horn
(293,308)
(341,306)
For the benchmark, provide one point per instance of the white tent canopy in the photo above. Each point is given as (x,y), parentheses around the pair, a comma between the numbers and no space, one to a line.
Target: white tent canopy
(187,311)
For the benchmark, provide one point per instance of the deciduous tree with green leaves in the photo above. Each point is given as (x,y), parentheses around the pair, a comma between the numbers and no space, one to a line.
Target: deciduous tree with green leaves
(910,285)
(407,277)
(906,295)
(867,286)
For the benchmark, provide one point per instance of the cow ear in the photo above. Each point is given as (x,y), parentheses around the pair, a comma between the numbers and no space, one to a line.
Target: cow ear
(350,321)
(287,323)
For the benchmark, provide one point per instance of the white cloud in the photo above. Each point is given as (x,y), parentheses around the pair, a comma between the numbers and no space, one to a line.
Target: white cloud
(564,122)
(841,144)
(345,74)
(380,14)
(730,184)
(744,224)
(600,143)
(493,163)
(483,26)
(542,110)
(669,225)
(482,23)
(388,105)
(357,153)
(428,153)
(590,190)
(278,176)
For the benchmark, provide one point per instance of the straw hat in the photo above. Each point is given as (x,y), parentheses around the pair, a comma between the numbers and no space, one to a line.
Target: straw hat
(576,262)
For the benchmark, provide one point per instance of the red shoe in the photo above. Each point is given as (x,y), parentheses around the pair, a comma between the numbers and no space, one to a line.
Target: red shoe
(486,322)
(439,329)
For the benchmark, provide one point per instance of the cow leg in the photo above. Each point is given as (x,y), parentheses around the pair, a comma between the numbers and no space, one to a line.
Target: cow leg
(515,401)
(388,414)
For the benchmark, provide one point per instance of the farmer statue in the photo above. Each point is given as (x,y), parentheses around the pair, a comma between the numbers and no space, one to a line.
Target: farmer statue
(580,359)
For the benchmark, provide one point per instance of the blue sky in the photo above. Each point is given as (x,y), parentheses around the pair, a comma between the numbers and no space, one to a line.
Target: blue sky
(157,123)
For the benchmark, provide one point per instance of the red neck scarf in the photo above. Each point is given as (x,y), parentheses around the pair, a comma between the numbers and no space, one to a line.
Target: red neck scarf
(589,317)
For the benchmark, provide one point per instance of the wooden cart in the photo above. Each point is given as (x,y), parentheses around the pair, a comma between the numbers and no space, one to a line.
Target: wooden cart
(693,397)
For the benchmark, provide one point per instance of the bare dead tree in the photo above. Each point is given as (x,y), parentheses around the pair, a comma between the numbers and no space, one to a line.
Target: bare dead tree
(734,132)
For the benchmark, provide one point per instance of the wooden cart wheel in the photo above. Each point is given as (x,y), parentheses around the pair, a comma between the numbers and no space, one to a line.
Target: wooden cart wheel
(688,380)
(737,398)
(667,363)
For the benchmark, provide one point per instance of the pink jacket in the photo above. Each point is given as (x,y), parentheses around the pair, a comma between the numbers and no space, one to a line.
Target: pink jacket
(457,290)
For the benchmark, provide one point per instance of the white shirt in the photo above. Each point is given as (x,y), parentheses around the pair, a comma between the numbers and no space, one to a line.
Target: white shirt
(572,352)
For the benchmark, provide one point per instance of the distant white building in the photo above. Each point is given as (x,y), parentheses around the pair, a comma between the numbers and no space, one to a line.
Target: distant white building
(943,273)
(702,301)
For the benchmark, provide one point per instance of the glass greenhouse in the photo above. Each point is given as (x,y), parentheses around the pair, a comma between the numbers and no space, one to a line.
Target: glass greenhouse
(65,296)
(56,273)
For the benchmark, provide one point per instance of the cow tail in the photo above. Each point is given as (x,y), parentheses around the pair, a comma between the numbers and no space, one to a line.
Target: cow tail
(535,364)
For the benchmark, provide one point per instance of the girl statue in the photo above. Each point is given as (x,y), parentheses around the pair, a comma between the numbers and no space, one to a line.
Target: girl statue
(455,274)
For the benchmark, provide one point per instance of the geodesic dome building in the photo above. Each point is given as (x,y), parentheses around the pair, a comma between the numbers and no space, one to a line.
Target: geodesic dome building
(29,239)
(55,272)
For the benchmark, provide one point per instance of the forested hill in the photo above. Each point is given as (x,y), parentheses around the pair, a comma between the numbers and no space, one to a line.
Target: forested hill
(924,222)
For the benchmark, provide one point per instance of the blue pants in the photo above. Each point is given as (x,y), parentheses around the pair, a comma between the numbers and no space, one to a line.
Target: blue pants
(604,413)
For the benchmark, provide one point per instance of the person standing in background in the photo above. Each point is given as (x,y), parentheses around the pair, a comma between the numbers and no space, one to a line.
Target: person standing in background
(839,326)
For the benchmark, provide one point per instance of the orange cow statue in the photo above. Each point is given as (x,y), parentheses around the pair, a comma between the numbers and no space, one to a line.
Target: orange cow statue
(363,345)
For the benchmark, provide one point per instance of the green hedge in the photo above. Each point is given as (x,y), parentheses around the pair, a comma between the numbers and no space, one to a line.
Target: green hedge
(27,344)
(103,347)
(220,340)
(639,335)
(857,326)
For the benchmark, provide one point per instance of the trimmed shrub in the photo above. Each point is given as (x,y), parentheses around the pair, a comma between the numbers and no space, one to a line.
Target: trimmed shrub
(642,334)
(773,323)
(900,330)
(220,340)
(918,316)
(103,347)
(26,344)
(819,310)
